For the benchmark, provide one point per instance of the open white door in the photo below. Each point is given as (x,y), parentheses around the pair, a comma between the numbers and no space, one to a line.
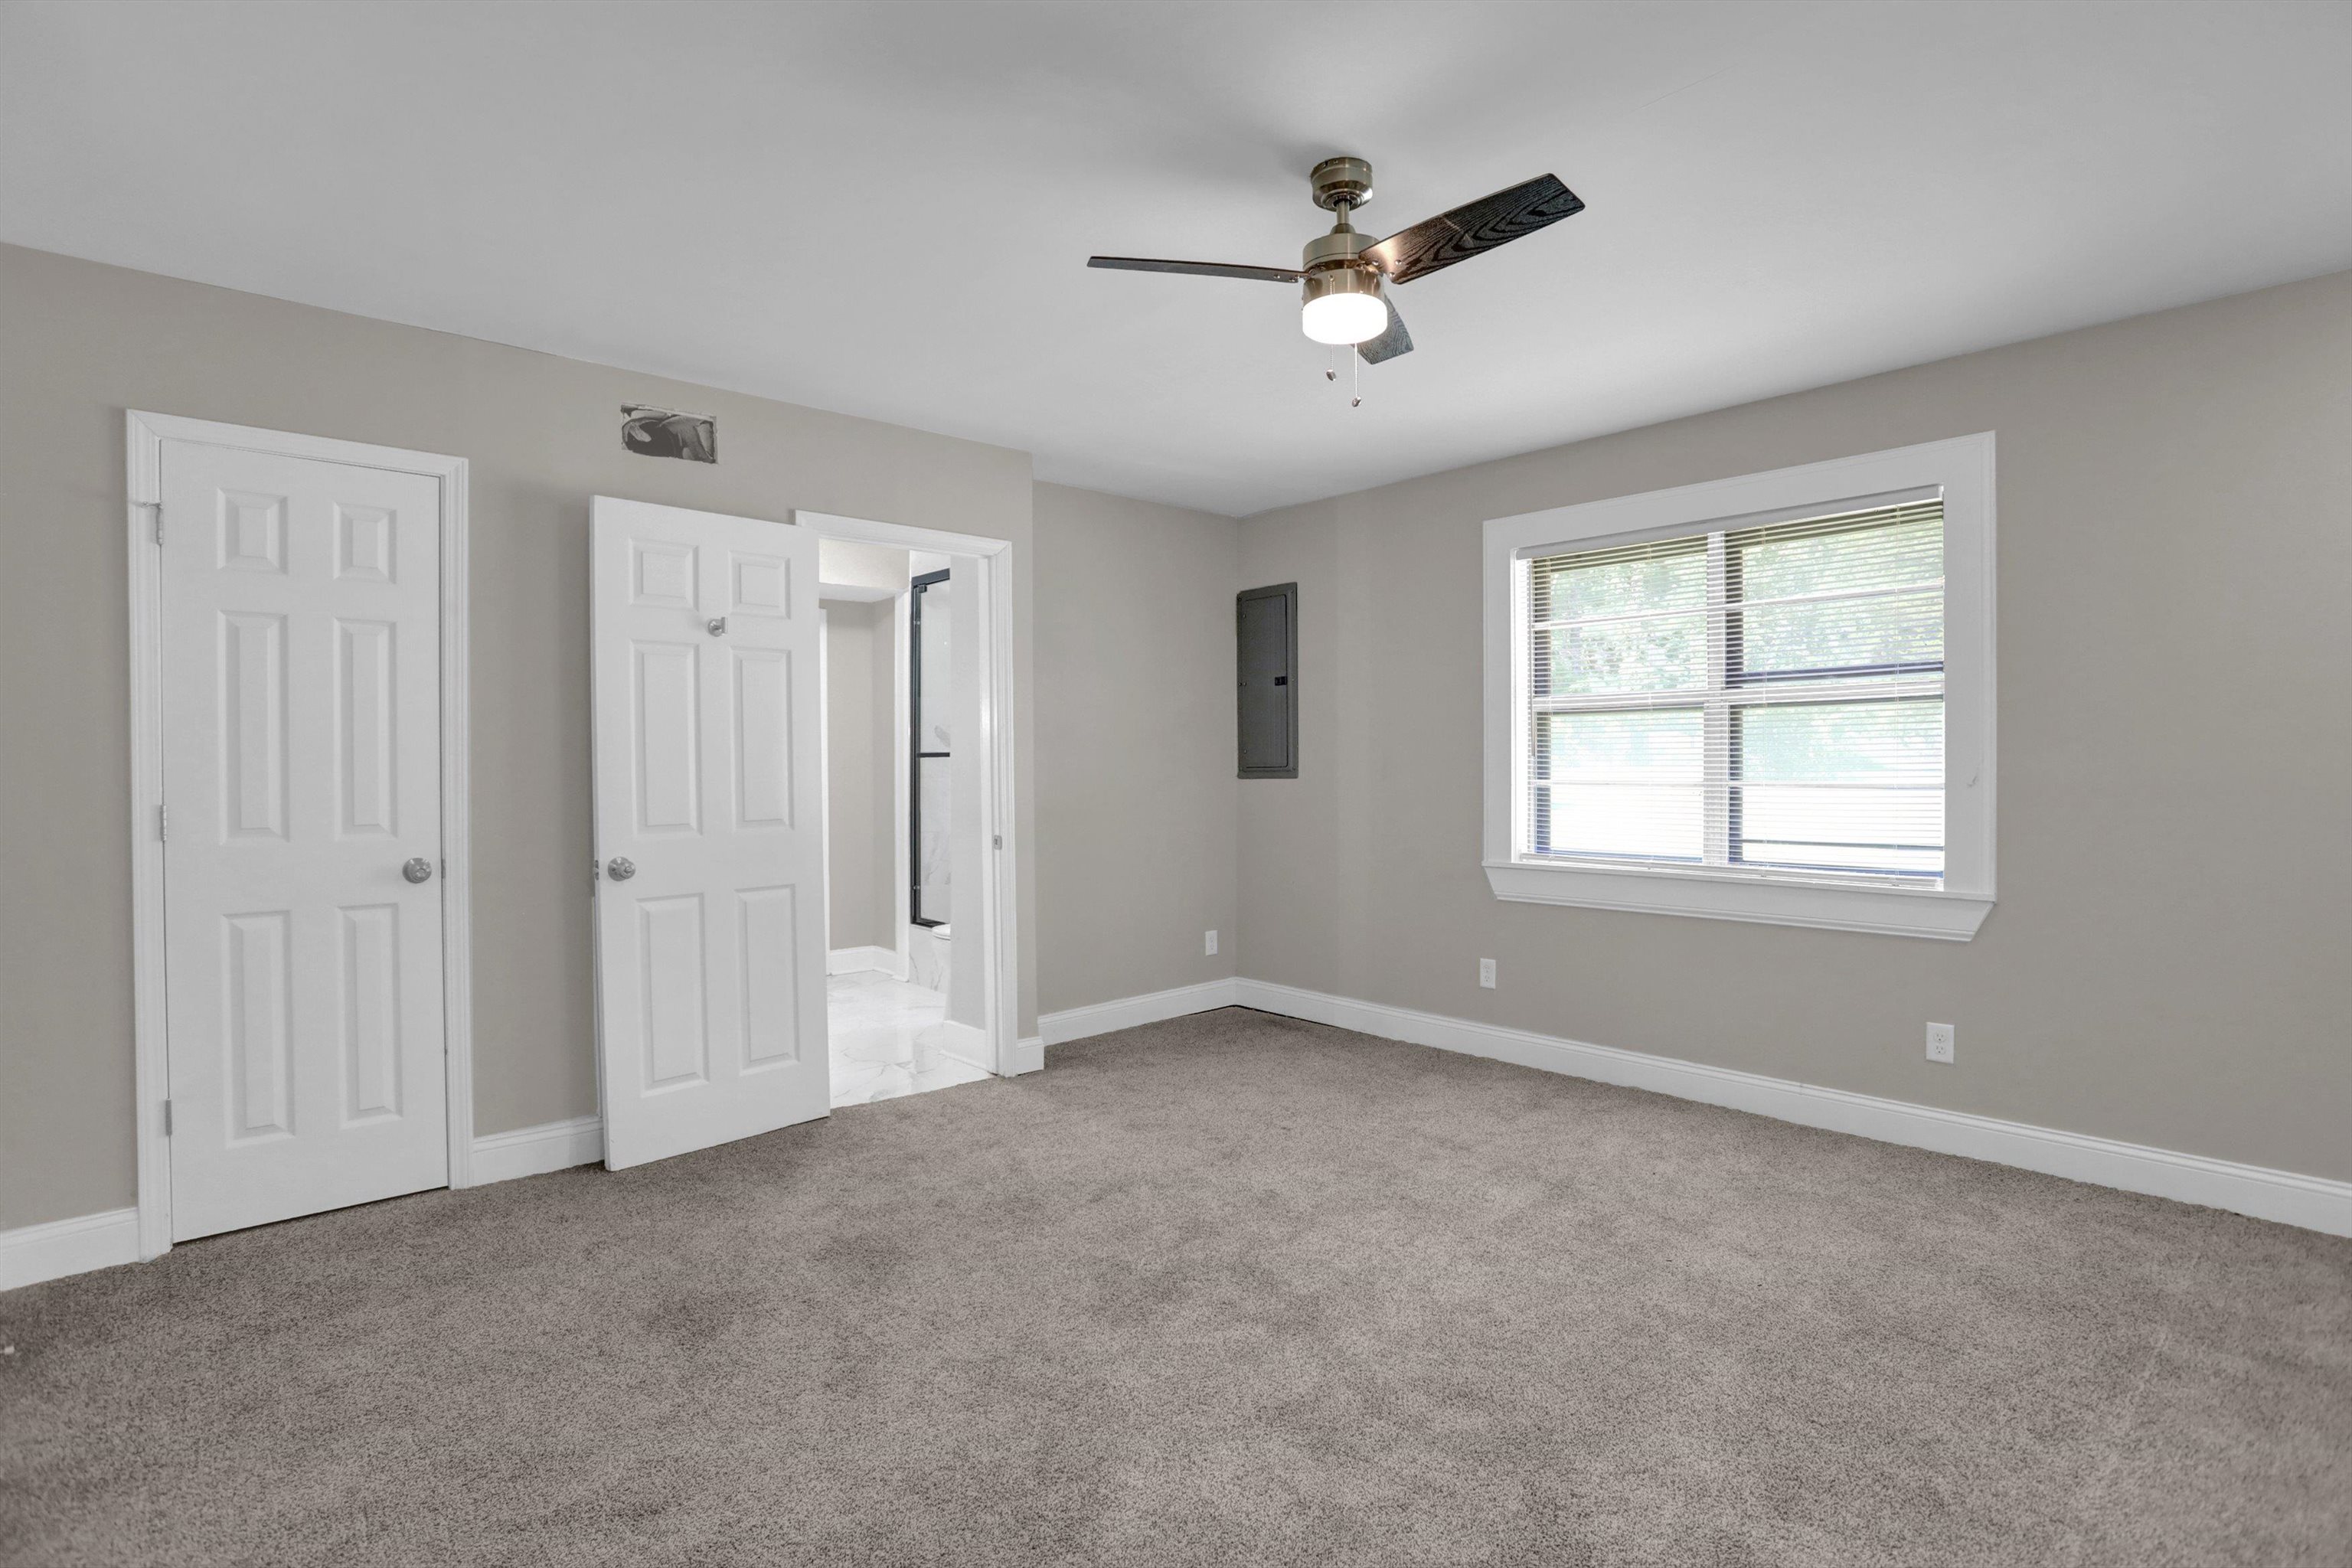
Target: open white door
(709,833)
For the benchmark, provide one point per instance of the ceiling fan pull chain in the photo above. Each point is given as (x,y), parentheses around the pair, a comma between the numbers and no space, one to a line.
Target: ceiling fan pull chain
(1355,381)
(1331,364)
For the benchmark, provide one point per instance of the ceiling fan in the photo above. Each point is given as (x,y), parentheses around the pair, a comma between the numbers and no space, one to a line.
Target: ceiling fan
(1345,274)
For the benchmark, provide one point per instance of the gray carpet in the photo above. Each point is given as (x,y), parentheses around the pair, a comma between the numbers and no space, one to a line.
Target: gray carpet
(1231,1289)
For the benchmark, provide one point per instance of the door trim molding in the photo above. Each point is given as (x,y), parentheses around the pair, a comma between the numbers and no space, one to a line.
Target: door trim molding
(1000,868)
(143,437)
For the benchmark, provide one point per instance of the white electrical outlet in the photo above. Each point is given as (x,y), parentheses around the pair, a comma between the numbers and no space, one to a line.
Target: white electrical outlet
(1209,943)
(1486,972)
(1939,1042)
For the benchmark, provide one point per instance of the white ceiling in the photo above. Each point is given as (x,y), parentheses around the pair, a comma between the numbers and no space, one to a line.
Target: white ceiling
(886,209)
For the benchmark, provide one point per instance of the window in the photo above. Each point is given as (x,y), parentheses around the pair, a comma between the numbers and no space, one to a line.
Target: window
(1766,699)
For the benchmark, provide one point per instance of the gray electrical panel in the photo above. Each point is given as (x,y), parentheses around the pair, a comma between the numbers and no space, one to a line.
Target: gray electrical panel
(1265,631)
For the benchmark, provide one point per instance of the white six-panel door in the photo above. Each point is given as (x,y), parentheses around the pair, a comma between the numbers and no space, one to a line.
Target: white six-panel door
(301,774)
(710,919)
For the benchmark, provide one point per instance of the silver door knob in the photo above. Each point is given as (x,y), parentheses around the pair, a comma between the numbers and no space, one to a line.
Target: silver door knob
(620,868)
(716,626)
(419,869)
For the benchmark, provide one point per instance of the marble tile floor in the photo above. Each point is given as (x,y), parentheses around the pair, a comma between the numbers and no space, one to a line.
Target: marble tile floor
(879,1028)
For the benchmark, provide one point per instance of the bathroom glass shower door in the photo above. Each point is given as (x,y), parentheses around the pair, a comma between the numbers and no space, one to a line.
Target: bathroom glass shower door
(931,798)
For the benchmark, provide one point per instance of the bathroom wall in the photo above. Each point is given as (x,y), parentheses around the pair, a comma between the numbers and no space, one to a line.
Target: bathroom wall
(862,866)
(862,723)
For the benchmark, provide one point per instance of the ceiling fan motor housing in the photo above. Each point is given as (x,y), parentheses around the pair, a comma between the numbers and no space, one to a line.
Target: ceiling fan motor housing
(1333,262)
(1338,180)
(1341,278)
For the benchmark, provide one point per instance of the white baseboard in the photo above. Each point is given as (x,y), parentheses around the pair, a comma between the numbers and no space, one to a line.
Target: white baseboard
(1102,1018)
(865,961)
(964,1042)
(535,1151)
(2315,1203)
(37,1252)
(64,1246)
(51,1251)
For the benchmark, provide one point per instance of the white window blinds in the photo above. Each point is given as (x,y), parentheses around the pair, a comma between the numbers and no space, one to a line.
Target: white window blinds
(1767,700)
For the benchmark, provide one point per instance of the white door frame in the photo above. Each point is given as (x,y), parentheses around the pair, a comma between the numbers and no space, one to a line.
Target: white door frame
(1000,875)
(824,778)
(144,435)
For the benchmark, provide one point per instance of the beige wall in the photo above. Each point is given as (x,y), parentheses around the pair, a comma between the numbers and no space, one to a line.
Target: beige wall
(2167,964)
(80,343)
(861,808)
(1135,700)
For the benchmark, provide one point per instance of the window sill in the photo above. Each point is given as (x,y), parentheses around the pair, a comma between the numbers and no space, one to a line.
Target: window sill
(1885,911)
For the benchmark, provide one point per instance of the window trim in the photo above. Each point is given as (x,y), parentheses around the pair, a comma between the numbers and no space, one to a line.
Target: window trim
(1961,471)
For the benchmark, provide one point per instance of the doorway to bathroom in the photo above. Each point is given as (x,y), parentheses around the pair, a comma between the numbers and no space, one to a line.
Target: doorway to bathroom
(908,844)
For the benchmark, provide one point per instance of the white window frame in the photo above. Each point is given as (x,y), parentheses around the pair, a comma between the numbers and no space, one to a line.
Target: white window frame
(1960,471)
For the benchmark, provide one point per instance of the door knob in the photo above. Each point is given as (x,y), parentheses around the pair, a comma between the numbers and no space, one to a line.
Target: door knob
(620,868)
(419,869)
(716,626)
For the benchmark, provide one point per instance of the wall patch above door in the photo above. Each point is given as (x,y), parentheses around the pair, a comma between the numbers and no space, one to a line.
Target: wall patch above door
(666,433)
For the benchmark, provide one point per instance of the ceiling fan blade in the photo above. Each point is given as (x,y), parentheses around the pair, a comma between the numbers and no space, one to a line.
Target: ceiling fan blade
(1474,228)
(1393,339)
(1195,268)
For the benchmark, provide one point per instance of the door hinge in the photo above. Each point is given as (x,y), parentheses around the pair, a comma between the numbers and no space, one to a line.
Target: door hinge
(1000,840)
(163,822)
(167,1119)
(159,518)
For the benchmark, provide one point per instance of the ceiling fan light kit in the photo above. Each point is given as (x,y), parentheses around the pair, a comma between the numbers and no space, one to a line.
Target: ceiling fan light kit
(1344,306)
(1343,279)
